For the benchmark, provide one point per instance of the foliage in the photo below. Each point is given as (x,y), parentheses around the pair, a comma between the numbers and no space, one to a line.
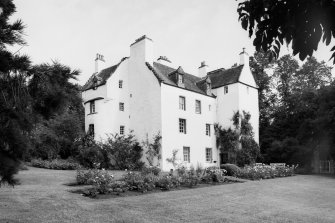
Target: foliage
(15,112)
(302,23)
(151,170)
(226,138)
(231,169)
(249,152)
(240,141)
(153,149)
(139,182)
(90,154)
(300,110)
(124,151)
(213,175)
(56,164)
(257,172)
(174,160)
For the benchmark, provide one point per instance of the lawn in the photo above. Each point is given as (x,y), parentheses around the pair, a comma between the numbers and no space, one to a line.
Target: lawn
(43,196)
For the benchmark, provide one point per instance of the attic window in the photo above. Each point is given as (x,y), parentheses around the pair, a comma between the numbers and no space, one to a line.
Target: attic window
(180,79)
(225,89)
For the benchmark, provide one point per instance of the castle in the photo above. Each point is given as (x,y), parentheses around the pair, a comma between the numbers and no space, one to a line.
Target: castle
(151,96)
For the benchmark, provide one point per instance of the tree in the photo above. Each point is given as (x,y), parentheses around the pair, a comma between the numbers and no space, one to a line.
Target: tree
(238,142)
(300,22)
(58,111)
(15,110)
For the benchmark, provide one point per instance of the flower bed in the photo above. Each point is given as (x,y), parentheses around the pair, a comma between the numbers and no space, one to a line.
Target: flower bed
(104,183)
(262,171)
(56,164)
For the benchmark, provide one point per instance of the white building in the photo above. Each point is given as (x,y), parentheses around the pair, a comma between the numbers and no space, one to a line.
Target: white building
(151,97)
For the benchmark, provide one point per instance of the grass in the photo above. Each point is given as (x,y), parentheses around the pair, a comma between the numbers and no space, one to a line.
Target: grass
(44,197)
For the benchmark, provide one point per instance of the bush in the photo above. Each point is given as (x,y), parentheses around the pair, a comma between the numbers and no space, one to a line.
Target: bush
(90,154)
(139,182)
(232,169)
(124,151)
(213,174)
(257,172)
(151,170)
(56,164)
(8,168)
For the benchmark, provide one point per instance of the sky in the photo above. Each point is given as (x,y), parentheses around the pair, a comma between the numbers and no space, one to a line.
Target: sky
(72,32)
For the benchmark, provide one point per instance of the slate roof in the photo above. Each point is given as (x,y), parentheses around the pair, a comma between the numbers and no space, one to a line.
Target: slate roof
(223,77)
(218,77)
(102,76)
(190,80)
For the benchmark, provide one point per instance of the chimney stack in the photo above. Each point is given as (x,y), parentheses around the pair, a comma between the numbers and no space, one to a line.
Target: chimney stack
(142,50)
(244,58)
(99,62)
(202,70)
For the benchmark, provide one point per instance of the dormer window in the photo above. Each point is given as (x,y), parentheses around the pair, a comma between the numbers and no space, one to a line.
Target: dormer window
(180,79)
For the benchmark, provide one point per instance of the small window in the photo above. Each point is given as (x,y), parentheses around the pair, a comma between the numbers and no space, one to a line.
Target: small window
(121,130)
(225,89)
(182,104)
(197,106)
(180,79)
(209,157)
(91,130)
(186,154)
(92,107)
(120,83)
(208,130)
(121,106)
(209,107)
(182,125)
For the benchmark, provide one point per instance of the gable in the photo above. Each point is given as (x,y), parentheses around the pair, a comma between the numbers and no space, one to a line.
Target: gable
(101,77)
(222,77)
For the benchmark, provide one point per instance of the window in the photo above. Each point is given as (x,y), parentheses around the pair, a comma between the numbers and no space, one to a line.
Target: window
(197,106)
(182,125)
(180,79)
(182,104)
(92,107)
(121,130)
(91,130)
(121,106)
(208,130)
(186,154)
(225,89)
(247,90)
(209,155)
(120,83)
(209,107)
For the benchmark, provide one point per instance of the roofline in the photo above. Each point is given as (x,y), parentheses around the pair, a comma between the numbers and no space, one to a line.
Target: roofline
(237,82)
(123,59)
(93,99)
(211,96)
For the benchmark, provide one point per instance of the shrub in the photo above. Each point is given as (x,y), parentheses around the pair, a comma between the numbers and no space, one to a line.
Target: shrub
(213,174)
(232,169)
(86,177)
(103,181)
(56,164)
(263,171)
(90,154)
(124,151)
(151,170)
(139,182)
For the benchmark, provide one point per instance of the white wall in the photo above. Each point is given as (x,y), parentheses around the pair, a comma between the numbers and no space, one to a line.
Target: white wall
(145,100)
(195,136)
(227,104)
(249,102)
